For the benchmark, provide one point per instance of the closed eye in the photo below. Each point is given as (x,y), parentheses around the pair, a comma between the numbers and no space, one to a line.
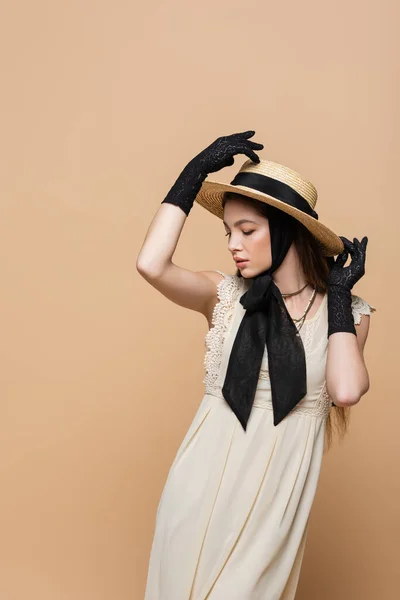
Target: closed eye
(244,232)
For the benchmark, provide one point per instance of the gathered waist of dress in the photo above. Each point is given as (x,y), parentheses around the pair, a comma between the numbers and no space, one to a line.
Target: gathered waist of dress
(319,406)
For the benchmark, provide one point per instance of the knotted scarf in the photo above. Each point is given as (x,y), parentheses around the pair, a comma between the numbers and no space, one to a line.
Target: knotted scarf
(267,322)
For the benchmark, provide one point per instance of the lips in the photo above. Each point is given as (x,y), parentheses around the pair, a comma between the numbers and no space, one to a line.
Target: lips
(241,262)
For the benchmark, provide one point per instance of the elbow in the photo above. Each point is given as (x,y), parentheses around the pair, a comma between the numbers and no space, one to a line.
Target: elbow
(150,273)
(145,270)
(344,401)
(140,268)
(347,393)
(347,401)
(350,398)
(142,271)
(142,265)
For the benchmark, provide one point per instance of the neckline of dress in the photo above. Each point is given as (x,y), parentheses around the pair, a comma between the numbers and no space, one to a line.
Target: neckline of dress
(311,319)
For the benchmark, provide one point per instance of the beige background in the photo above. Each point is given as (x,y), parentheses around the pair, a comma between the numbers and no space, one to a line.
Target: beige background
(103,103)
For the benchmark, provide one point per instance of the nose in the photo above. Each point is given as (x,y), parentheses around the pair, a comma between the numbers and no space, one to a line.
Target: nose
(233,245)
(234,249)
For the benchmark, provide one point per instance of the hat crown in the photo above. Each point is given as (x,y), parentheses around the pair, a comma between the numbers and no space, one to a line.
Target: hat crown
(285,175)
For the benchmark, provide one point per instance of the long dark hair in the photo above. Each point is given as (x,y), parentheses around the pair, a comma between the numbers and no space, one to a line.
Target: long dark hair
(316,269)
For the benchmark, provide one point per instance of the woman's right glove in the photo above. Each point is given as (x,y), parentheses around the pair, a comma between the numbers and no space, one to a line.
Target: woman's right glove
(215,157)
(340,283)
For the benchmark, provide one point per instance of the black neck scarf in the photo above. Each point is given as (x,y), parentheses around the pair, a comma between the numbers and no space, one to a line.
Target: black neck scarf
(267,322)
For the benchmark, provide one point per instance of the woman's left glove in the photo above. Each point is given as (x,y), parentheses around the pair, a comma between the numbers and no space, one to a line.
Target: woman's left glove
(340,283)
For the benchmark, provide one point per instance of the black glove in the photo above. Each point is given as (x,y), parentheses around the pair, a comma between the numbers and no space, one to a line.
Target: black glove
(340,282)
(216,156)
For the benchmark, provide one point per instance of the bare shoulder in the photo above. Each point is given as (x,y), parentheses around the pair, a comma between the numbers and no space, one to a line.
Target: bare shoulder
(215,276)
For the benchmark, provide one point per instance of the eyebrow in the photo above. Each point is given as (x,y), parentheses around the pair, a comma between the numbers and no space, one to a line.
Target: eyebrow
(240,222)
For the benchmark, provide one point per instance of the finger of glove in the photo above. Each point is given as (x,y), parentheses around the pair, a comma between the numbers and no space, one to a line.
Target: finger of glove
(360,252)
(256,146)
(341,259)
(358,245)
(252,155)
(364,243)
(245,134)
(349,246)
(344,240)
(358,255)
(245,148)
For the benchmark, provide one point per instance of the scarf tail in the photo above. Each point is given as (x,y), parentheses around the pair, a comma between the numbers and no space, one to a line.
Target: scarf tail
(244,365)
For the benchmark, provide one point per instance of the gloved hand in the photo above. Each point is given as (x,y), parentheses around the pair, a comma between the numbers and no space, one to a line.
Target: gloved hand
(340,282)
(216,156)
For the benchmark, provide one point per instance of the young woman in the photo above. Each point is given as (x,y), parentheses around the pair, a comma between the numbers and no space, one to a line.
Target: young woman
(284,351)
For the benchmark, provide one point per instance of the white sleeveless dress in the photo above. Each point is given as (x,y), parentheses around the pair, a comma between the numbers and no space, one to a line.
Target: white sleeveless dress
(232,518)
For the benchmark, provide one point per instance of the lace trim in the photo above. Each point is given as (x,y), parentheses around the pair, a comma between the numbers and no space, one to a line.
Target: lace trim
(214,339)
(359,307)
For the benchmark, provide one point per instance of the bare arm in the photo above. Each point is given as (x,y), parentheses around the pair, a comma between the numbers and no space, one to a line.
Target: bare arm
(195,290)
(347,377)
(161,240)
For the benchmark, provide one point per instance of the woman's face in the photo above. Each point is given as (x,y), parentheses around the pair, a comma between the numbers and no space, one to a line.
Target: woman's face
(247,240)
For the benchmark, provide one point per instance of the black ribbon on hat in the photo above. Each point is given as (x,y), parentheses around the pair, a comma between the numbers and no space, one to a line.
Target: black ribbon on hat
(276,189)
(267,321)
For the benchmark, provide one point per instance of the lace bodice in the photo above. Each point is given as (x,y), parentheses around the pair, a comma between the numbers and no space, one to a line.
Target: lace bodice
(229,290)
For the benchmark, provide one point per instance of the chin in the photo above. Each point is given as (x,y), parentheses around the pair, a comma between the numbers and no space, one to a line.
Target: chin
(251,273)
(246,273)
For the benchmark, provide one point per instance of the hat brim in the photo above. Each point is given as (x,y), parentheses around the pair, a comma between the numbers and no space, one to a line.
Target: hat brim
(211,194)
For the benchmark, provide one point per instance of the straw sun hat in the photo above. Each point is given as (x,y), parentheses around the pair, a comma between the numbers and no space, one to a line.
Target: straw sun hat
(278,186)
